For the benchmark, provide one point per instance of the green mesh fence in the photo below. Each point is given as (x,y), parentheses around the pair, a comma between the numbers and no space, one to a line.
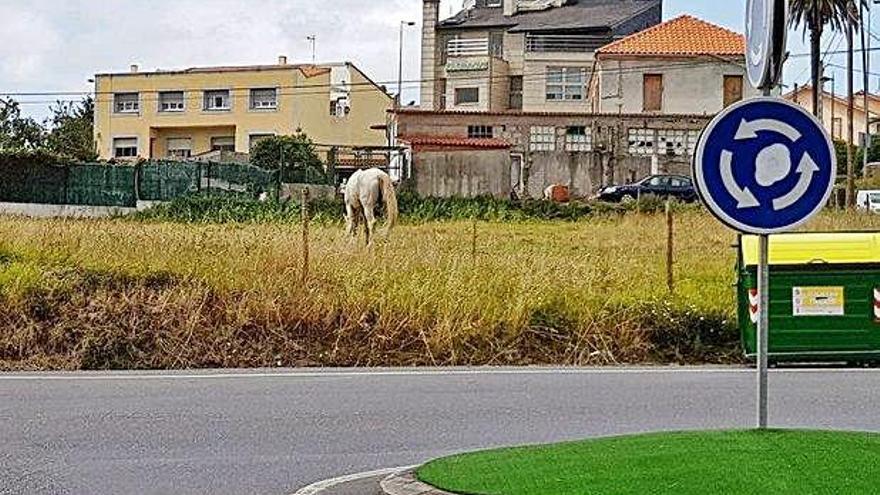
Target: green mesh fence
(164,181)
(33,184)
(237,178)
(99,184)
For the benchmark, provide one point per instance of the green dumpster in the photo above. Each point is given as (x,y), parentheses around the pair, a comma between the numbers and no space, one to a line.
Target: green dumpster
(824,296)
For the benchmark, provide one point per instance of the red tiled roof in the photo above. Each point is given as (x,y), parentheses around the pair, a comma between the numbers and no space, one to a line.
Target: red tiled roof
(456,142)
(682,36)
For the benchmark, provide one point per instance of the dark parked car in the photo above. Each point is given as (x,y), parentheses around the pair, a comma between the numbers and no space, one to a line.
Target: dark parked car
(663,186)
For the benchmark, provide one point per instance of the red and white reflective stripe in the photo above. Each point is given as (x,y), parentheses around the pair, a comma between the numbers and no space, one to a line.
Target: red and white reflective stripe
(877,305)
(755,303)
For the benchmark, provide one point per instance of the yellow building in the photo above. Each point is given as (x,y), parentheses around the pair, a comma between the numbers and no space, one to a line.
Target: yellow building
(183,113)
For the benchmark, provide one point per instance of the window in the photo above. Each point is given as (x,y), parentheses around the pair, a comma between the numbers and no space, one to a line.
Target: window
(653,92)
(180,148)
(672,142)
(516,92)
(256,138)
(223,143)
(480,131)
(171,101)
(542,138)
(125,147)
(669,142)
(578,138)
(565,83)
(126,102)
(733,90)
(217,100)
(340,107)
(467,95)
(641,141)
(264,99)
(680,182)
(442,84)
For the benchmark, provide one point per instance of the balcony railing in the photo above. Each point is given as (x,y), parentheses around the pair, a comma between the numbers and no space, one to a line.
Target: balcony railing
(468,48)
(564,43)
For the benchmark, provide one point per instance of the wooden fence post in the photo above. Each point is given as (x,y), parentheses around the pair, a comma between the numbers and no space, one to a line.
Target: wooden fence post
(474,242)
(670,247)
(305,234)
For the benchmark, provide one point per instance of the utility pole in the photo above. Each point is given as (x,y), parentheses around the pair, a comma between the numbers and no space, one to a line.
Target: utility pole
(866,64)
(403,24)
(850,76)
(313,39)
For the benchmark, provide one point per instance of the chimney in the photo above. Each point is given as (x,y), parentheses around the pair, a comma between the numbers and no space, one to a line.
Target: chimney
(430,97)
(135,69)
(510,7)
(282,60)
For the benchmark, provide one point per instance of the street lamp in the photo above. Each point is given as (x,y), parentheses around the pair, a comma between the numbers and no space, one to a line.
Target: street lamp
(403,24)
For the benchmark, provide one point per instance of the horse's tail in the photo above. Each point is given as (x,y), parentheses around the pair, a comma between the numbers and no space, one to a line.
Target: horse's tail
(390,198)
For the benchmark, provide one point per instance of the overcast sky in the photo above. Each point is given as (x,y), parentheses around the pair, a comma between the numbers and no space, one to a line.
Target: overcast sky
(57,45)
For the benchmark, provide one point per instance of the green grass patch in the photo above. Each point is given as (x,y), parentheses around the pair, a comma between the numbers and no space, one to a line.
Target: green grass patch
(729,462)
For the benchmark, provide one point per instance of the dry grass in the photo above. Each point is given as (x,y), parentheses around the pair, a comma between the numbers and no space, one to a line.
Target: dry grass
(115,294)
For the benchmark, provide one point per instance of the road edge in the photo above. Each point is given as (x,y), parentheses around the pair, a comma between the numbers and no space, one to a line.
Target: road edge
(406,483)
(320,486)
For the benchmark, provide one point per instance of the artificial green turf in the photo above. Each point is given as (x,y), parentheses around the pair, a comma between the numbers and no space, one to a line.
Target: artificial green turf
(726,462)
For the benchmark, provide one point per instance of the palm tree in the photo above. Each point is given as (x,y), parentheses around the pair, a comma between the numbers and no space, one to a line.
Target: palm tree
(814,15)
(840,15)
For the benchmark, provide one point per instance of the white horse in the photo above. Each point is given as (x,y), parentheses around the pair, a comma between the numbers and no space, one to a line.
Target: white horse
(363,192)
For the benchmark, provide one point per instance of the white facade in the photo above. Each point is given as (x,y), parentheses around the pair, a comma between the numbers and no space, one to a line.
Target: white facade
(689,85)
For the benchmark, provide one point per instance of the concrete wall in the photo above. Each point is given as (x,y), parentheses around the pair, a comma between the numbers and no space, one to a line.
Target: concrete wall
(463,173)
(35,210)
(613,157)
(690,85)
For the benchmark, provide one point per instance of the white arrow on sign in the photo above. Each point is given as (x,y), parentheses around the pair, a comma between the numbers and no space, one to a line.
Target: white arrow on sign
(807,168)
(744,198)
(749,130)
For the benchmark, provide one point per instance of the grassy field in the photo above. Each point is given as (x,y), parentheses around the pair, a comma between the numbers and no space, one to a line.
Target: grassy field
(733,463)
(130,294)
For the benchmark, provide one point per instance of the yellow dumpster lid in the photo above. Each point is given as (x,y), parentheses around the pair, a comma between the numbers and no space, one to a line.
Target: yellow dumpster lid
(827,248)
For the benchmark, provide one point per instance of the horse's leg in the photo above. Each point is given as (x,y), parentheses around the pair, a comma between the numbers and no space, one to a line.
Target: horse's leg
(352,221)
(370,217)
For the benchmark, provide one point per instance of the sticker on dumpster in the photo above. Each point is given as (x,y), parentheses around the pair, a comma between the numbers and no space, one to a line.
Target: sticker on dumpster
(818,301)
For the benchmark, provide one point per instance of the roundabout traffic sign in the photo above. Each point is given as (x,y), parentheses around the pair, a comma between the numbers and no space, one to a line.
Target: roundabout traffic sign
(766,33)
(765,166)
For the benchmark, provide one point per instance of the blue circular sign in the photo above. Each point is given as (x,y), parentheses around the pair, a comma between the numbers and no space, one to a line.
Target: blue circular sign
(765,165)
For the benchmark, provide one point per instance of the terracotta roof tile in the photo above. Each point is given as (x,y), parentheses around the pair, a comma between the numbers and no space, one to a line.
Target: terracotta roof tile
(456,142)
(682,36)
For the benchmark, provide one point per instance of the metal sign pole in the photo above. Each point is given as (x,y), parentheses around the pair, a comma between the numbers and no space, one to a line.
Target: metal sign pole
(763,340)
(763,335)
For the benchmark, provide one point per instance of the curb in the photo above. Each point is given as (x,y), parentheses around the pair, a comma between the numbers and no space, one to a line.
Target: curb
(406,483)
(328,485)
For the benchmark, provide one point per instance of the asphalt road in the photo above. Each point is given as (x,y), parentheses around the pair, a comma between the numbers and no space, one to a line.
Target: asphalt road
(273,433)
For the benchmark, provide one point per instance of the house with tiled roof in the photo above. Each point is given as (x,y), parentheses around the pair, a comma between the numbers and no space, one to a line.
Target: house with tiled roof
(521,55)
(833,111)
(682,66)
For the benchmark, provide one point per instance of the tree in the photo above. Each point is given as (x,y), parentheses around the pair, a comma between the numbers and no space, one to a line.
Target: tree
(295,155)
(17,132)
(72,130)
(814,15)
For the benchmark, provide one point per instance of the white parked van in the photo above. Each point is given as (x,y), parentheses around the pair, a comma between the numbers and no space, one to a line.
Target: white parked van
(869,200)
